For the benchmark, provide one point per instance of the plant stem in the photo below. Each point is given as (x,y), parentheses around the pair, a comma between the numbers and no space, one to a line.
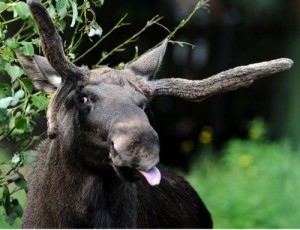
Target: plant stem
(20,30)
(7,134)
(118,25)
(198,6)
(73,47)
(10,21)
(150,23)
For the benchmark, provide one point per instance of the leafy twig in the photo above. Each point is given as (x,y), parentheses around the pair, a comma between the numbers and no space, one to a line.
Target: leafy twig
(118,25)
(150,23)
(198,6)
(7,134)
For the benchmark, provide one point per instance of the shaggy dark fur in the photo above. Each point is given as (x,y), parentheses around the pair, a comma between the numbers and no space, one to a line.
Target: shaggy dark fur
(65,194)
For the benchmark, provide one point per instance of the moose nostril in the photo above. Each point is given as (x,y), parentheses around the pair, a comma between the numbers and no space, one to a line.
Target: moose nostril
(113,151)
(112,144)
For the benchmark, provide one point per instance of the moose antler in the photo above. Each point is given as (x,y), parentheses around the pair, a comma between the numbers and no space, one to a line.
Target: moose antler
(232,79)
(196,90)
(54,52)
(51,42)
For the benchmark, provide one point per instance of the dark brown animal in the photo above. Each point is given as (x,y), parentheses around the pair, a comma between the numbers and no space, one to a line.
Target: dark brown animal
(98,168)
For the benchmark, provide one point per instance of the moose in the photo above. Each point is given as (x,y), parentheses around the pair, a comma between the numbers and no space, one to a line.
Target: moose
(98,166)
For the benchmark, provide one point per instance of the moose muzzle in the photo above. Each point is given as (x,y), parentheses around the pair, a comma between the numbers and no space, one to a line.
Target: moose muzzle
(135,144)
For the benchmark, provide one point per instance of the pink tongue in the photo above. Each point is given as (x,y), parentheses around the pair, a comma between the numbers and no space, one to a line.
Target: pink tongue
(153,176)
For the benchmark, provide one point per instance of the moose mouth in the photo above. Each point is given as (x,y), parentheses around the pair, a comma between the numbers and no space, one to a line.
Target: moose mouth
(132,171)
(152,176)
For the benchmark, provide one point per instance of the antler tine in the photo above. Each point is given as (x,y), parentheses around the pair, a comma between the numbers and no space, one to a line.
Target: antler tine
(232,79)
(54,52)
(52,44)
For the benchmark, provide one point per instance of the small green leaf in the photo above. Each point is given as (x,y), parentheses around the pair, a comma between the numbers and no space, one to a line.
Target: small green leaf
(98,2)
(15,211)
(95,30)
(7,54)
(11,218)
(5,90)
(6,198)
(16,159)
(5,102)
(61,25)
(12,43)
(3,115)
(28,157)
(22,10)
(13,71)
(27,48)
(2,6)
(14,102)
(104,53)
(86,5)
(75,13)
(22,183)
(19,94)
(61,8)
(40,101)
(27,84)
(21,123)
(52,11)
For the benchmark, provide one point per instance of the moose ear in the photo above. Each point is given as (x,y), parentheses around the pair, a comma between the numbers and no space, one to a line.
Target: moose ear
(148,64)
(40,72)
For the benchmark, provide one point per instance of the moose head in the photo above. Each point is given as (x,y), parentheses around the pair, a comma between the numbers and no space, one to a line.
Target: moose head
(103,114)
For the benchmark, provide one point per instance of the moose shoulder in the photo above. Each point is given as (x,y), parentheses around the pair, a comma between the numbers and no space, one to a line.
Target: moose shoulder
(98,168)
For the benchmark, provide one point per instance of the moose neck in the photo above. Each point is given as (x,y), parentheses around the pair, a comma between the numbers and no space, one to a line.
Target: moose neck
(107,200)
(103,194)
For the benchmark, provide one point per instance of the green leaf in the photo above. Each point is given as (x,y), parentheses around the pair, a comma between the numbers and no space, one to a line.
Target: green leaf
(61,8)
(61,25)
(22,10)
(2,31)
(6,198)
(22,183)
(75,13)
(40,101)
(52,11)
(5,90)
(12,43)
(21,123)
(15,211)
(19,94)
(16,159)
(8,54)
(27,48)
(5,102)
(28,157)
(98,2)
(86,5)
(13,71)
(17,97)
(3,115)
(3,6)
(95,30)
(27,84)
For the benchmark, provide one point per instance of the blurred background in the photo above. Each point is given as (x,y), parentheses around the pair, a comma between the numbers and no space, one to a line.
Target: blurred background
(229,34)
(240,149)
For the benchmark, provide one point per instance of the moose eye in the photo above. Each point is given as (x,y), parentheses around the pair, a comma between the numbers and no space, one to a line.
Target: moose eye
(83,100)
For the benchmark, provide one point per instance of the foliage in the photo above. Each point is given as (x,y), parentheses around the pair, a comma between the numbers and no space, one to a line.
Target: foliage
(254,184)
(20,104)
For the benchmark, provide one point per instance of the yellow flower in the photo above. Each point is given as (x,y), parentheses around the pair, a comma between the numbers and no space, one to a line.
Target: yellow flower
(206,135)
(245,160)
(187,146)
